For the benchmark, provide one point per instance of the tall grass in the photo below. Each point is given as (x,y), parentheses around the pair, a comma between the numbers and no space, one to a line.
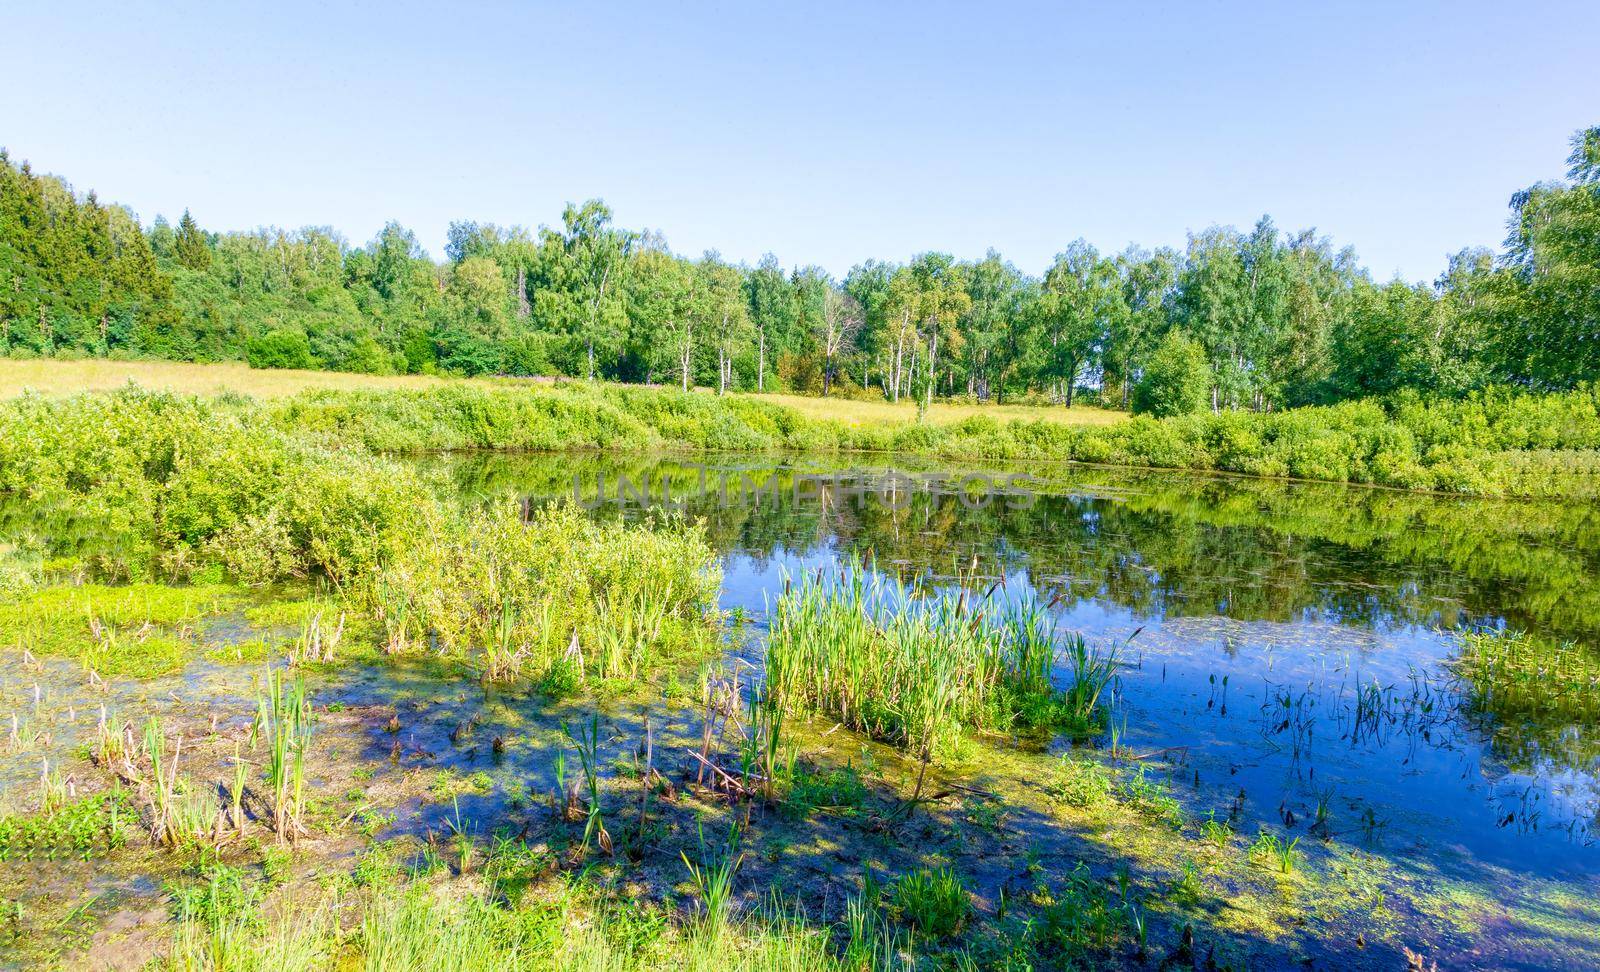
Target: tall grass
(923,672)
(713,880)
(418,927)
(283,723)
(558,597)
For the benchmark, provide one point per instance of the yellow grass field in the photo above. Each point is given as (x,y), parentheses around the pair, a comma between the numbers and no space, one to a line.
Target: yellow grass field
(872,413)
(55,378)
(58,378)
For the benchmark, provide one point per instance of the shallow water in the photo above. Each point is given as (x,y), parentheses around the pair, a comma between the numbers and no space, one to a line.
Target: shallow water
(1287,649)
(1292,639)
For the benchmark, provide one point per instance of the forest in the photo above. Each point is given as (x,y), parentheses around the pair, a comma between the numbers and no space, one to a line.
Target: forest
(1261,320)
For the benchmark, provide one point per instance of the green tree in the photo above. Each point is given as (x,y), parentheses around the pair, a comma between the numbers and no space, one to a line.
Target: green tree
(773,312)
(726,313)
(1082,298)
(1549,308)
(1176,381)
(190,247)
(940,299)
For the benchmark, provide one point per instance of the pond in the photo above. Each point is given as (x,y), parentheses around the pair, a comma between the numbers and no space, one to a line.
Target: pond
(1288,644)
(1285,667)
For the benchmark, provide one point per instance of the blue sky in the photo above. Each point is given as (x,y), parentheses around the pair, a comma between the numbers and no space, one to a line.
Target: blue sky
(825,133)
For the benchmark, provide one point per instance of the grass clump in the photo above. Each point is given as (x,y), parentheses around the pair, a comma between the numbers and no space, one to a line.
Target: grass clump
(933,900)
(1081,782)
(1084,919)
(923,673)
(837,790)
(1153,798)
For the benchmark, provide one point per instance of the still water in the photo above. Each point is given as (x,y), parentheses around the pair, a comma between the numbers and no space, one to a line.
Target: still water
(1293,640)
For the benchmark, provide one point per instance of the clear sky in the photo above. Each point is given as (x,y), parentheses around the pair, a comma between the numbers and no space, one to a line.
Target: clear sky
(825,133)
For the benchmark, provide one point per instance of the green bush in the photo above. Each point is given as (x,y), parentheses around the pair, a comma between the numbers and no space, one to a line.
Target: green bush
(280,349)
(190,488)
(1176,380)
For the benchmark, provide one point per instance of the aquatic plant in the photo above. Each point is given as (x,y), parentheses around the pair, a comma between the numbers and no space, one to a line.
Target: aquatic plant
(586,739)
(284,723)
(1521,676)
(1278,852)
(1218,832)
(83,828)
(713,880)
(922,673)
(933,900)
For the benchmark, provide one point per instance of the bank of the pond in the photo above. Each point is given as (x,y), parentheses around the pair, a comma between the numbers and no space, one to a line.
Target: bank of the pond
(141,487)
(1494,443)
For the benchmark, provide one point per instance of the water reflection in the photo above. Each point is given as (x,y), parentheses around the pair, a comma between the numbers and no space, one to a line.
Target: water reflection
(1294,635)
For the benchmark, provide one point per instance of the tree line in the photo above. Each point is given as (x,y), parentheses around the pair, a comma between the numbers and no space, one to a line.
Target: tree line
(1260,319)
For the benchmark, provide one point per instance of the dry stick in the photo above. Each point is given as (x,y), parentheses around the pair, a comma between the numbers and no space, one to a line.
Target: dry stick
(1161,752)
(732,783)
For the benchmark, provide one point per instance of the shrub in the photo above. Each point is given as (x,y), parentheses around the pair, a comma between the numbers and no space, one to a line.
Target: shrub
(1176,380)
(196,488)
(279,349)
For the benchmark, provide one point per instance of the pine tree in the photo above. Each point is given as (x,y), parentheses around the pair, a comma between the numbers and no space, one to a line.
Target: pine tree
(191,248)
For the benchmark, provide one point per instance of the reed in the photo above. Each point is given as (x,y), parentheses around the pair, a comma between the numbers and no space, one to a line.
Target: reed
(554,596)
(765,762)
(317,642)
(587,741)
(921,673)
(713,880)
(283,722)
(179,815)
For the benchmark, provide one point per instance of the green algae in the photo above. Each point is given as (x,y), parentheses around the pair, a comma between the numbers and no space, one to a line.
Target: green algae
(137,631)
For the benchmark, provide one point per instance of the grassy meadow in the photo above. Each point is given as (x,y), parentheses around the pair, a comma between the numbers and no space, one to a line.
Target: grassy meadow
(57,378)
(851,411)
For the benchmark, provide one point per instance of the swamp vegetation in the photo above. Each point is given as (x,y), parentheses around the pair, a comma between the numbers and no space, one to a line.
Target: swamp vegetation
(288,687)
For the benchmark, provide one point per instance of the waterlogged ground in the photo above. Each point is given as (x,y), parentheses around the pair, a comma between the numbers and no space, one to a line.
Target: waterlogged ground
(1287,674)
